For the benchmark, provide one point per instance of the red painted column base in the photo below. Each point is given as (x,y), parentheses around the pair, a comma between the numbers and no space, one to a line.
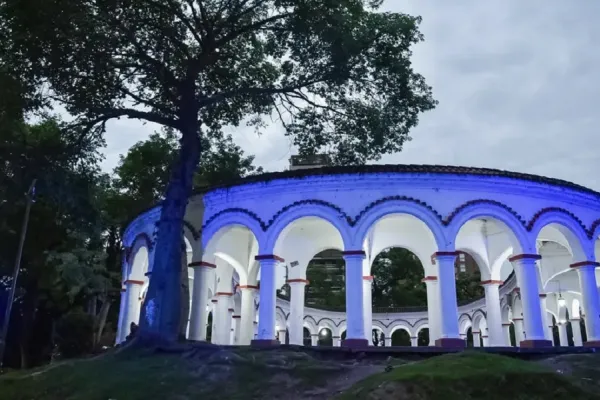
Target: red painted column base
(262,343)
(355,343)
(592,343)
(535,344)
(450,343)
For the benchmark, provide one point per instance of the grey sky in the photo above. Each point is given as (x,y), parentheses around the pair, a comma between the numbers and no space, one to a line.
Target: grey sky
(517,82)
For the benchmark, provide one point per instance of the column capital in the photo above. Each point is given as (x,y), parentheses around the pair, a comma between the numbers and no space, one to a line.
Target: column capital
(224,294)
(522,257)
(248,287)
(353,254)
(269,257)
(444,255)
(583,264)
(368,278)
(133,282)
(205,264)
(429,279)
(506,324)
(148,274)
(298,281)
(543,295)
(491,283)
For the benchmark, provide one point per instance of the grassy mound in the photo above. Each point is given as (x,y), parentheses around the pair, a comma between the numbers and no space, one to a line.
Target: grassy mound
(198,373)
(468,376)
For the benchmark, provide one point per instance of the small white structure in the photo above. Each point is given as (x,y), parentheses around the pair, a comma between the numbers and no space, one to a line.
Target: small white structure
(535,241)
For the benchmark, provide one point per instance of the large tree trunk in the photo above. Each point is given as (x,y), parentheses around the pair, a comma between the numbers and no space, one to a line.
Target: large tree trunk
(161,311)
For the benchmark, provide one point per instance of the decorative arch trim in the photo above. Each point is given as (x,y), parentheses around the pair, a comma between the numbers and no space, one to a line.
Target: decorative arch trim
(543,211)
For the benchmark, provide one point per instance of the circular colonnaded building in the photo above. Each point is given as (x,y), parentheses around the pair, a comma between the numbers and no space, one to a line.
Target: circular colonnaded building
(535,241)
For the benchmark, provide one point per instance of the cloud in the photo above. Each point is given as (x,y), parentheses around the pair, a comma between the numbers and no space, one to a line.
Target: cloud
(517,83)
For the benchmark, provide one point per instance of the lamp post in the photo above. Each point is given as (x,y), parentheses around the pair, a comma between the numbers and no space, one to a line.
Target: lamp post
(11,294)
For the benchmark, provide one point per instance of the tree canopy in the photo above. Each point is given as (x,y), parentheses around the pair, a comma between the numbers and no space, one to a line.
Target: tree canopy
(336,74)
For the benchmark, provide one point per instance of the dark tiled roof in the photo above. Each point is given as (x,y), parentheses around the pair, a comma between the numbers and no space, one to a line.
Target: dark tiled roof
(395,168)
(405,169)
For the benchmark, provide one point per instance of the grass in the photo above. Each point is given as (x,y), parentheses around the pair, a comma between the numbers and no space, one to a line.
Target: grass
(133,375)
(468,376)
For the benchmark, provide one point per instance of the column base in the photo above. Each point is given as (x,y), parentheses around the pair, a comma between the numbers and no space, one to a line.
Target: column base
(451,343)
(592,343)
(355,343)
(263,343)
(535,344)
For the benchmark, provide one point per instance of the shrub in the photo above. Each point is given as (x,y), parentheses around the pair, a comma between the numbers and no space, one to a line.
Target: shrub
(75,334)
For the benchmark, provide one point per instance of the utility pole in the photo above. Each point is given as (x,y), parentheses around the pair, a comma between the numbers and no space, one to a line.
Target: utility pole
(13,287)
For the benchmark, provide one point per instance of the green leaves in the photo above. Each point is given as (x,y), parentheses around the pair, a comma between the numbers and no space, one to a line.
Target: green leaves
(336,74)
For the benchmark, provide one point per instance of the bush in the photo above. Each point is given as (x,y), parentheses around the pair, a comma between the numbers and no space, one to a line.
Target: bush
(75,334)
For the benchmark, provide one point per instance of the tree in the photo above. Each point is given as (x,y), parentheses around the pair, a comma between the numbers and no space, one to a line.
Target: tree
(336,74)
(65,212)
(397,279)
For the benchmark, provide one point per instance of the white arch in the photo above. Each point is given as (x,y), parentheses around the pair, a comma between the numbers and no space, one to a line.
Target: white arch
(580,246)
(286,219)
(398,207)
(518,236)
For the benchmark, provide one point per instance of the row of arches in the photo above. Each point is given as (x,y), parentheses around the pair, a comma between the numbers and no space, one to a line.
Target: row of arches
(233,245)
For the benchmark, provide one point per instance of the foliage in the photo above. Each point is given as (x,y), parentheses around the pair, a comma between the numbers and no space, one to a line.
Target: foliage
(327,285)
(75,334)
(336,74)
(397,279)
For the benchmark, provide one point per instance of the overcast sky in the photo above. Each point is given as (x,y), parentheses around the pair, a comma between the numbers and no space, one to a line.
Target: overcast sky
(518,84)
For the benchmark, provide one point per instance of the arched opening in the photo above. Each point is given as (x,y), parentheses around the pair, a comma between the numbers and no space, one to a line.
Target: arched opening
(377,337)
(468,279)
(325,337)
(423,337)
(401,337)
(343,335)
(513,337)
(313,272)
(397,281)
(470,337)
(209,325)
(326,274)
(306,337)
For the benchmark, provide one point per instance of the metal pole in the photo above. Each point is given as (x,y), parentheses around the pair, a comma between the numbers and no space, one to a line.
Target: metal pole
(13,287)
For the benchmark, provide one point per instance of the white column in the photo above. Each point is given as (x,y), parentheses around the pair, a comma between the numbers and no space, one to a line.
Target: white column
(296,318)
(562,334)
(314,339)
(519,333)
(387,341)
(485,340)
(476,339)
(355,333)
(266,311)
(368,308)
(132,313)
(247,314)
(506,333)
(431,284)
(223,322)
(550,333)
(449,334)
(494,316)
(213,328)
(576,329)
(202,273)
(545,320)
(236,328)
(337,341)
(414,341)
(120,324)
(526,270)
(590,299)
(281,336)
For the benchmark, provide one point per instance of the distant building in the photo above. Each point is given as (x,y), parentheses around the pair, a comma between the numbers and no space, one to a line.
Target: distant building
(312,161)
